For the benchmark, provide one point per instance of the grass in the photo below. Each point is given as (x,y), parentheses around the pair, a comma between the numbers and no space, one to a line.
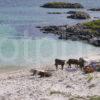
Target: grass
(94,27)
(95,98)
(56,3)
(93,24)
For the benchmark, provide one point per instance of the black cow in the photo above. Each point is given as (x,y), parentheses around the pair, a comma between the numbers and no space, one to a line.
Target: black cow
(59,62)
(81,63)
(76,62)
(73,61)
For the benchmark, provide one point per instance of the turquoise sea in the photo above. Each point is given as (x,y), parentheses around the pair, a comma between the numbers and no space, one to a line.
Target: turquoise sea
(22,44)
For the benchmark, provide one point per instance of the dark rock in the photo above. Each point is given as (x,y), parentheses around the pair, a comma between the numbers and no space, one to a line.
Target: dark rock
(91,86)
(54,13)
(62,5)
(74,38)
(38,26)
(79,15)
(95,9)
(95,41)
(71,12)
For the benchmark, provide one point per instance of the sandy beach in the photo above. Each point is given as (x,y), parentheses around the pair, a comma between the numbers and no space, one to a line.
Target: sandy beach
(62,85)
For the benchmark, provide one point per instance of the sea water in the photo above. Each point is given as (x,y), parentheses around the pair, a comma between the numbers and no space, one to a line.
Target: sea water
(21,43)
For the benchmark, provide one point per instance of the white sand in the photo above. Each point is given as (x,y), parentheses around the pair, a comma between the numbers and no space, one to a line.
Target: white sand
(20,85)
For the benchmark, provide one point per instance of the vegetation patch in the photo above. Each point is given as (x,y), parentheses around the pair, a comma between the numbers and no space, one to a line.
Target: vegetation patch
(95,98)
(93,24)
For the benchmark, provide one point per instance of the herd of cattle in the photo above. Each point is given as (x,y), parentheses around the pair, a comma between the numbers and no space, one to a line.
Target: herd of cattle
(76,62)
(79,63)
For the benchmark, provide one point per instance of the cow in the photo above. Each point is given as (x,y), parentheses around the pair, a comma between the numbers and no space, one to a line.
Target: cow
(73,61)
(81,63)
(40,73)
(76,62)
(59,62)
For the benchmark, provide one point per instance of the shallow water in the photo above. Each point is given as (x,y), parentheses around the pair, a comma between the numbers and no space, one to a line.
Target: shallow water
(22,44)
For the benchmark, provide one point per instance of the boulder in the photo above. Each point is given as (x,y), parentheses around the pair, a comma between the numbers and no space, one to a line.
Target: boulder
(79,15)
(95,41)
(62,5)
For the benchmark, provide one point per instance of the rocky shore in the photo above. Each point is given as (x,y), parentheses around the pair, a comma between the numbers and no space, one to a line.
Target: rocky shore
(62,5)
(85,32)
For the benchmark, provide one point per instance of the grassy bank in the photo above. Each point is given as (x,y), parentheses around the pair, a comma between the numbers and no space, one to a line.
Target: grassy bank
(93,24)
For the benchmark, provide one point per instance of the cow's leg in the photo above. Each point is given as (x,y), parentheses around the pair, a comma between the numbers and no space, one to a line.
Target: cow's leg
(62,66)
(76,65)
(69,65)
(56,66)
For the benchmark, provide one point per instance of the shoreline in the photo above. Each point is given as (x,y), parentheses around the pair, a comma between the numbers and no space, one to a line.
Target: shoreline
(94,57)
(62,85)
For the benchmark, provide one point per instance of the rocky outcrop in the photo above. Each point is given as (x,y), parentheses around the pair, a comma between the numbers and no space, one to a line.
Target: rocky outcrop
(95,9)
(62,5)
(79,15)
(88,32)
(77,32)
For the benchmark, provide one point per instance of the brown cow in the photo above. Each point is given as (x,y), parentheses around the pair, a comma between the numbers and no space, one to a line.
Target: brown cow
(59,62)
(40,73)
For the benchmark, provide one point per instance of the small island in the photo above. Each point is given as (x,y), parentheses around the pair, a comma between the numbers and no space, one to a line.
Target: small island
(62,5)
(78,15)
